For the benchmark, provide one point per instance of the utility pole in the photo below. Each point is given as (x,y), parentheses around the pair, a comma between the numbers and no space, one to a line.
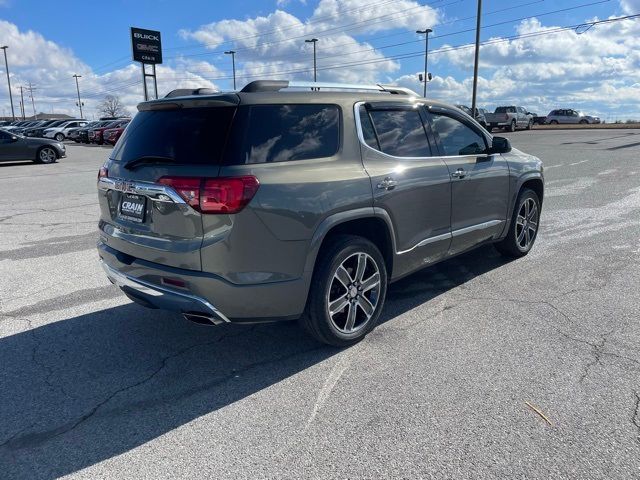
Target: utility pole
(426,33)
(233,62)
(477,59)
(6,64)
(76,76)
(22,101)
(33,102)
(315,70)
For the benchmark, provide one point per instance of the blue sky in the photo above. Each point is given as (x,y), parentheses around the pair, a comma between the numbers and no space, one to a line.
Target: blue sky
(92,38)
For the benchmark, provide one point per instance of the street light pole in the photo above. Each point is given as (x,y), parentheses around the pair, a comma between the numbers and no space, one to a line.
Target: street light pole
(76,76)
(426,33)
(477,59)
(315,70)
(233,62)
(6,64)
(22,101)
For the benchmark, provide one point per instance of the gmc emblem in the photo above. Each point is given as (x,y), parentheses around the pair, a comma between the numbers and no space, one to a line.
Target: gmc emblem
(125,187)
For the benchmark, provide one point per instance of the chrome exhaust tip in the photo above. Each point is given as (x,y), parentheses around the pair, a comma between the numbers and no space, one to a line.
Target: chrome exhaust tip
(202,318)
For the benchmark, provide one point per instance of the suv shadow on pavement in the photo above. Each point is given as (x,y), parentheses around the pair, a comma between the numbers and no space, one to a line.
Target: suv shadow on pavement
(82,390)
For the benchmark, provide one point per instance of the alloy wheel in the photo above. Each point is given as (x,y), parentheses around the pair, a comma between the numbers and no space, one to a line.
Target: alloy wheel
(47,155)
(354,293)
(526,224)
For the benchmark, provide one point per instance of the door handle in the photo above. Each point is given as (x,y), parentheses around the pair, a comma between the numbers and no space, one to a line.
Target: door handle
(459,173)
(387,184)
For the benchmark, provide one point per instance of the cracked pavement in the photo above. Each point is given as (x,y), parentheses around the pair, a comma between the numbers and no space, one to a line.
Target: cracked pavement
(93,386)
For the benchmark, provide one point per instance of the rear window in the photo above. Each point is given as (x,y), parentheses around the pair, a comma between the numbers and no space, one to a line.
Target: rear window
(187,135)
(505,110)
(280,133)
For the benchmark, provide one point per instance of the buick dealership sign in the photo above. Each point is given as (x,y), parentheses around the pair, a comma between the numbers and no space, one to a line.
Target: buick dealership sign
(146,45)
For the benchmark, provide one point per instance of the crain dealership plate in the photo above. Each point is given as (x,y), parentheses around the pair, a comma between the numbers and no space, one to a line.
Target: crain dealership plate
(132,207)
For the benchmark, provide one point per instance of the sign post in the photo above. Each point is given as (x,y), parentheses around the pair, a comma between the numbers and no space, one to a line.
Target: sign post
(146,46)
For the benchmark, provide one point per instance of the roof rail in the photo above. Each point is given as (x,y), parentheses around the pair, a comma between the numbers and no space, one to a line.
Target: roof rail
(277,85)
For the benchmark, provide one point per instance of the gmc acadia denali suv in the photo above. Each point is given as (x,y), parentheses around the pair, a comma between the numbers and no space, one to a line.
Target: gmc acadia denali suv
(303,201)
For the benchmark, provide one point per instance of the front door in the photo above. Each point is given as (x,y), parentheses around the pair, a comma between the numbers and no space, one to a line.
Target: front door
(410,184)
(479,182)
(11,146)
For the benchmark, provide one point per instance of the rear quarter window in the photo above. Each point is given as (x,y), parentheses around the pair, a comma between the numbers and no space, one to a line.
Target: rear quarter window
(280,133)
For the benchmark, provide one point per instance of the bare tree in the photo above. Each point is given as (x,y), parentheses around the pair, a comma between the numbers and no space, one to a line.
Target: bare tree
(111,106)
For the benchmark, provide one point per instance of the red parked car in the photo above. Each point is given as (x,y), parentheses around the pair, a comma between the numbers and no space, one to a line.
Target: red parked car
(112,135)
(96,135)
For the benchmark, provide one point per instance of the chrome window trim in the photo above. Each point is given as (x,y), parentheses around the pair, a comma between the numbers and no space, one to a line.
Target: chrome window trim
(453,234)
(154,191)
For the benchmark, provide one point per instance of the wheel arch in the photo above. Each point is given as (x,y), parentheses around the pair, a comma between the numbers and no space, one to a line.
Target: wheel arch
(373,224)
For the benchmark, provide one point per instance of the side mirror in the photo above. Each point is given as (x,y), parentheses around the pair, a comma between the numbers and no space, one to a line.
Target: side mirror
(500,145)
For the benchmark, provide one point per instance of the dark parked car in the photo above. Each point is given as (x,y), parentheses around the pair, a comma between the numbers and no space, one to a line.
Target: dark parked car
(36,131)
(83,133)
(39,150)
(479,116)
(277,204)
(96,134)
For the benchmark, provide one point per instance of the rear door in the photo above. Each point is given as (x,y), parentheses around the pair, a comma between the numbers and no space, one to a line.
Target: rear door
(149,199)
(480,182)
(409,182)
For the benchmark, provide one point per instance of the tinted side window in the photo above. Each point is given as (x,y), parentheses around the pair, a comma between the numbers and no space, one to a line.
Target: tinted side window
(279,133)
(456,138)
(401,133)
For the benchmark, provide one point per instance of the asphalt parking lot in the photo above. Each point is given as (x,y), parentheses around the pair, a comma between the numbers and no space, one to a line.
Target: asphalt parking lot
(93,386)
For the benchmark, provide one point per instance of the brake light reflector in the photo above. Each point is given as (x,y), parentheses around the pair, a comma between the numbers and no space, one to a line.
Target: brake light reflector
(215,195)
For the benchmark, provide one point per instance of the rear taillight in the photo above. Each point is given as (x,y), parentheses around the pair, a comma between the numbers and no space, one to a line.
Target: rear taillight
(187,187)
(103,172)
(215,195)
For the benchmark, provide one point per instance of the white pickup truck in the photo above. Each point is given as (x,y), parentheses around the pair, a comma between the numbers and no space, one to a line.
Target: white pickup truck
(510,118)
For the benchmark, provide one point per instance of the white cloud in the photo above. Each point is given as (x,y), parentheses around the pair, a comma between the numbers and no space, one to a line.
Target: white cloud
(630,7)
(593,70)
(275,43)
(49,67)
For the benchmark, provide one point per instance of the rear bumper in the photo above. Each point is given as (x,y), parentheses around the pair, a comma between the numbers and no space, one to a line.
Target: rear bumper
(155,296)
(145,283)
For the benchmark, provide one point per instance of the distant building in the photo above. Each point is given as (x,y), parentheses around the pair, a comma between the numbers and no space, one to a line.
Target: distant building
(40,116)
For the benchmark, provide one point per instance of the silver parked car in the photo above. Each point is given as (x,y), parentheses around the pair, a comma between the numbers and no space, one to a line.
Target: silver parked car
(276,203)
(568,115)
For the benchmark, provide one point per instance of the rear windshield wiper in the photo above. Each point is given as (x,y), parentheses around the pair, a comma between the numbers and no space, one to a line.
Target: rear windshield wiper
(149,160)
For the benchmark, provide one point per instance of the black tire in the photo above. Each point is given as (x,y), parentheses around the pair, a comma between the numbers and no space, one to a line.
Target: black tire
(554,122)
(46,155)
(510,246)
(530,125)
(59,137)
(583,122)
(341,250)
(512,126)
